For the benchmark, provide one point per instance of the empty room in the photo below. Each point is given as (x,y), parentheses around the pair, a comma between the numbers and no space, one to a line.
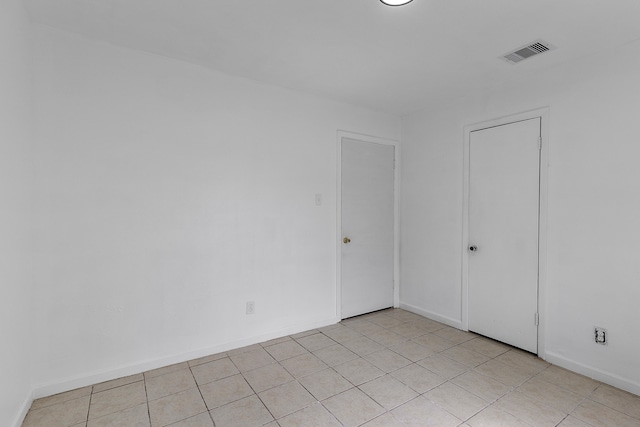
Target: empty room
(319,213)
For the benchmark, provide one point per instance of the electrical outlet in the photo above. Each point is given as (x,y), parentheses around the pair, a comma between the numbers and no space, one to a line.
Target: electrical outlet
(600,335)
(115,308)
(251,307)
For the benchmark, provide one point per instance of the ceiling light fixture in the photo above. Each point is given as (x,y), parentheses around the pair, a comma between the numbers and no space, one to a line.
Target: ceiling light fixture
(396,2)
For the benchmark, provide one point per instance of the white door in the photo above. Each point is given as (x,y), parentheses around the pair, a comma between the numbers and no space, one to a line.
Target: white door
(504,199)
(367,255)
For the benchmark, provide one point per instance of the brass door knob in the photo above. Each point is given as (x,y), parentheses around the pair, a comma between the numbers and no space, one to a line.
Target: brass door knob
(346,240)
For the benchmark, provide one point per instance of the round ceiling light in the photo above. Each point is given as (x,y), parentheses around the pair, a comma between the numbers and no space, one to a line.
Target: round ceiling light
(396,2)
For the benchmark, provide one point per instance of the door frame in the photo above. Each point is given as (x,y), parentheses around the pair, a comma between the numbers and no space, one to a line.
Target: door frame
(543,114)
(396,213)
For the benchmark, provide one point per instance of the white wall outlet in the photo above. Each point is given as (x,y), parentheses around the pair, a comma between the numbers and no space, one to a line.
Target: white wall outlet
(600,335)
(251,307)
(115,308)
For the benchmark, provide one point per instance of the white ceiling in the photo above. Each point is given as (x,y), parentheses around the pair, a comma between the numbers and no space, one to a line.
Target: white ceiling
(392,59)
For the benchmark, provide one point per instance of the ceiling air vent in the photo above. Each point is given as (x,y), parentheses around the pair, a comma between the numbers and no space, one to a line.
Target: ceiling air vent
(527,51)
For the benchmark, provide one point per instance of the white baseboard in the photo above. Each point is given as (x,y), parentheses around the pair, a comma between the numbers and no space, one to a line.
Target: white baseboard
(551,357)
(22,412)
(43,390)
(595,373)
(455,323)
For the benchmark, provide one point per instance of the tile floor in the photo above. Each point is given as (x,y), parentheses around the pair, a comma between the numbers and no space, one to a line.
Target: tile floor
(391,368)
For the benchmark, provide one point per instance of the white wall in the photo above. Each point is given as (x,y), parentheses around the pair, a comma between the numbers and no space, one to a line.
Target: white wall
(168,196)
(593,273)
(15,192)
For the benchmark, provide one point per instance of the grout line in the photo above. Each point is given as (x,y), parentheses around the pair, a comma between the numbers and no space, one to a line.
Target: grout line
(208,411)
(146,394)
(89,407)
(442,333)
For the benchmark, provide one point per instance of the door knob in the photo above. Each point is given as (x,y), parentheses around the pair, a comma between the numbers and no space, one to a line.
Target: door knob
(346,240)
(473,248)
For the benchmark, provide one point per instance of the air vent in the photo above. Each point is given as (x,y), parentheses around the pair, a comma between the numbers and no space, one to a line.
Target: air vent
(527,51)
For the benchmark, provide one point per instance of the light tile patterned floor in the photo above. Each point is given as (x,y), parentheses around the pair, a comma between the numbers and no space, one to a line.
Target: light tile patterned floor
(390,368)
